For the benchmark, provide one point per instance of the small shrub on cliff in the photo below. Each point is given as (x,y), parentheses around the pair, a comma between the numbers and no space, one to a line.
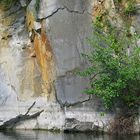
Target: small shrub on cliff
(130,8)
(7,3)
(114,68)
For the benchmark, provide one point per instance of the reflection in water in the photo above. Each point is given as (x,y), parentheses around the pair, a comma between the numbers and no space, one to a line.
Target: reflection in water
(44,135)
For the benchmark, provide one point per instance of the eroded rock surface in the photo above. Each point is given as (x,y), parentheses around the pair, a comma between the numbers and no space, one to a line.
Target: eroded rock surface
(23,73)
(40,49)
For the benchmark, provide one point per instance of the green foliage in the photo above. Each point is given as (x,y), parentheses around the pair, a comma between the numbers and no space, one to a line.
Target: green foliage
(102,114)
(98,22)
(131,8)
(7,3)
(118,1)
(114,69)
(37,5)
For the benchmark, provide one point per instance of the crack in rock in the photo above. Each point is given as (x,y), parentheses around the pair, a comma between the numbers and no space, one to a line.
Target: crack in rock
(63,8)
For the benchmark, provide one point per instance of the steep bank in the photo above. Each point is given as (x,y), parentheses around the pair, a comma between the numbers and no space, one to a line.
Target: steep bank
(40,49)
(21,78)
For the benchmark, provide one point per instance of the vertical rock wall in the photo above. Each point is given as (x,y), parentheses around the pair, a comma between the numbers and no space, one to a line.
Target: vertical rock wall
(26,72)
(66,25)
(40,49)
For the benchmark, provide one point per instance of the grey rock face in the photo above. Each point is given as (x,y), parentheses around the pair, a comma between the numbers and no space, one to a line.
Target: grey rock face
(23,3)
(50,7)
(68,32)
(20,77)
(75,125)
(70,90)
(66,25)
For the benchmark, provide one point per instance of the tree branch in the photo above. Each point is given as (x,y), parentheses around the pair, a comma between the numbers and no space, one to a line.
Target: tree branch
(10,124)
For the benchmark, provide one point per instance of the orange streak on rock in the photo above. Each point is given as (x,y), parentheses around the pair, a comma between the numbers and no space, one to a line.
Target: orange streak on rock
(45,58)
(30,20)
(98,9)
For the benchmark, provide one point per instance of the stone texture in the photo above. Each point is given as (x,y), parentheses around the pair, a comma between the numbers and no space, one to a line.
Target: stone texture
(75,125)
(70,90)
(24,79)
(68,46)
(39,54)
(50,7)
(23,3)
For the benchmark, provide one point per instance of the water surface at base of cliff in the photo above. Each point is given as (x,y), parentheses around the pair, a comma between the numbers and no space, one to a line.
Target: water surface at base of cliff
(44,135)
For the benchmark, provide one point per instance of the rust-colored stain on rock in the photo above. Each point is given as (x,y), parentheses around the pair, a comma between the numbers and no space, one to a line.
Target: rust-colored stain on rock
(30,20)
(43,53)
(44,56)
(98,9)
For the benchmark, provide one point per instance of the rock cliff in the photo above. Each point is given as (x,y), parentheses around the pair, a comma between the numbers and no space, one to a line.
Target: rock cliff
(41,42)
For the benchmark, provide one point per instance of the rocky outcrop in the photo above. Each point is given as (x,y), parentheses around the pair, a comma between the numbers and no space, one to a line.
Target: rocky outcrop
(67,45)
(40,49)
(75,125)
(23,76)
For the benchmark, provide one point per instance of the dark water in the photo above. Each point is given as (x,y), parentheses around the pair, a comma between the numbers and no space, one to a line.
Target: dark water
(43,135)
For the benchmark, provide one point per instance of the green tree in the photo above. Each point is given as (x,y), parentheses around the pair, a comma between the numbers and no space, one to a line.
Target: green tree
(114,67)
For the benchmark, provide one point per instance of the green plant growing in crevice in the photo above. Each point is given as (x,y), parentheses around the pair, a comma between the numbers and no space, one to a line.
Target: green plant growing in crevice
(98,22)
(117,1)
(37,5)
(130,8)
(7,3)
